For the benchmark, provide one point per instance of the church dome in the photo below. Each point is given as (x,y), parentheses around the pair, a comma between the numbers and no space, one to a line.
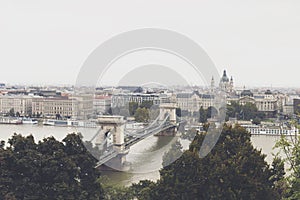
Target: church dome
(246,93)
(268,92)
(224,77)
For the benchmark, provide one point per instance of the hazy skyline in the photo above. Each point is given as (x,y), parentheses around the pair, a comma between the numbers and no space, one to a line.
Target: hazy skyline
(257,42)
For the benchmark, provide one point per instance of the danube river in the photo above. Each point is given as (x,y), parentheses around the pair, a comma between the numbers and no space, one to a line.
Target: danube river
(145,157)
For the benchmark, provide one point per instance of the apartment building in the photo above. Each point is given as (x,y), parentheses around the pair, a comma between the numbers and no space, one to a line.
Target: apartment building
(77,107)
(102,104)
(123,99)
(192,102)
(19,103)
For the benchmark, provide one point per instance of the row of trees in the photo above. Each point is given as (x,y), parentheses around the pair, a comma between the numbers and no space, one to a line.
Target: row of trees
(141,112)
(12,113)
(290,147)
(48,169)
(233,170)
(247,111)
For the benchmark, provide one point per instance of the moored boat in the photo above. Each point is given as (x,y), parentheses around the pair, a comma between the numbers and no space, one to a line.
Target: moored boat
(271,130)
(54,122)
(29,121)
(72,123)
(10,120)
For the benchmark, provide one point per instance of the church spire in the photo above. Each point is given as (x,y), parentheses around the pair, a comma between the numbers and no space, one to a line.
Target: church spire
(212,84)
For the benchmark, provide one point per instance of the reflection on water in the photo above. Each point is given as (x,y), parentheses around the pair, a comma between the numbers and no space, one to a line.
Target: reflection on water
(145,157)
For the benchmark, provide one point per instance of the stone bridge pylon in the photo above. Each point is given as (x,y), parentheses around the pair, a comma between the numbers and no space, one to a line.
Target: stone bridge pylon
(115,126)
(168,109)
(111,137)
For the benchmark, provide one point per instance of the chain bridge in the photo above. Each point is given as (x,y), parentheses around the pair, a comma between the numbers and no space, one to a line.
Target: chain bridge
(114,140)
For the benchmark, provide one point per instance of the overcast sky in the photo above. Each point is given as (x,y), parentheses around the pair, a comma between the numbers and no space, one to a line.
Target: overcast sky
(257,41)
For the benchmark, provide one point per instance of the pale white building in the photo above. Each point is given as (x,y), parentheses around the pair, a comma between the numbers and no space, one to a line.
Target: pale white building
(265,102)
(19,103)
(102,104)
(77,107)
(123,99)
(192,102)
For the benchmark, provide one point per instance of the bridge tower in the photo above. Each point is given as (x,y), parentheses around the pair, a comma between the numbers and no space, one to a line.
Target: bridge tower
(115,125)
(168,108)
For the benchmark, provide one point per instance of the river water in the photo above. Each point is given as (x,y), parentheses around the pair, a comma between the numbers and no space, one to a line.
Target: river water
(145,157)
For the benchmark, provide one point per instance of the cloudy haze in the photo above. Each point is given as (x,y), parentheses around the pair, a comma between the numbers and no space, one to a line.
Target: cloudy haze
(46,43)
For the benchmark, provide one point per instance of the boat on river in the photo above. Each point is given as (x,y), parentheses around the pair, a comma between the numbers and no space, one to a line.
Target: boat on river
(10,120)
(271,130)
(29,121)
(71,123)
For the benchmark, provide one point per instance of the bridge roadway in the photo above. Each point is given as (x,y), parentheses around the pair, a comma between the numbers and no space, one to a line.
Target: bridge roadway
(147,132)
(135,138)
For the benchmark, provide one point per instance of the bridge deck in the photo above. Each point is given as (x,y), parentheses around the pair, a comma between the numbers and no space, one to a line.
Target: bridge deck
(153,131)
(138,137)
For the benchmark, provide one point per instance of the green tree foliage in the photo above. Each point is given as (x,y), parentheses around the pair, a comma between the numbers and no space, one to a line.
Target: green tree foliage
(11,112)
(18,114)
(233,109)
(146,104)
(133,106)
(211,112)
(248,111)
(278,177)
(291,149)
(48,170)
(142,115)
(203,115)
(115,192)
(232,170)
(143,190)
(189,134)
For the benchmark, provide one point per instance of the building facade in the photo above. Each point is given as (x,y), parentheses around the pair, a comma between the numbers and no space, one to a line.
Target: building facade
(123,99)
(225,83)
(20,104)
(266,102)
(192,102)
(77,107)
(102,104)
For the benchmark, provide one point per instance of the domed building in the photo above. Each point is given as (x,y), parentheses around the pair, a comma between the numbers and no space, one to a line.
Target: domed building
(266,102)
(245,93)
(226,84)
